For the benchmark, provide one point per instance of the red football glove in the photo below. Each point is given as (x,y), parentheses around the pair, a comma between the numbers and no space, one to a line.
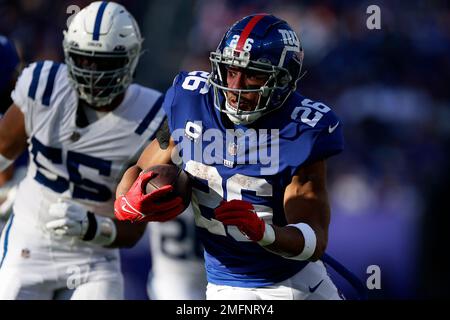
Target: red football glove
(135,205)
(241,214)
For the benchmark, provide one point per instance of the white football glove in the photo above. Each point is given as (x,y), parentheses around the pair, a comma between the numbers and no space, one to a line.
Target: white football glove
(69,219)
(72,220)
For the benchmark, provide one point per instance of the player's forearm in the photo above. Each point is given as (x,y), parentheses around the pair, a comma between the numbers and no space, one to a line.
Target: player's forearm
(156,154)
(290,242)
(13,138)
(128,234)
(9,150)
(6,175)
(152,155)
(311,209)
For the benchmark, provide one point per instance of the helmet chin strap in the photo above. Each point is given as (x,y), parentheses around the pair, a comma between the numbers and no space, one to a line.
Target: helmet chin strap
(243,119)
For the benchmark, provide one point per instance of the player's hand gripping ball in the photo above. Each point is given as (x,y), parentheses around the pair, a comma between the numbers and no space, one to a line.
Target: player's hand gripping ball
(160,193)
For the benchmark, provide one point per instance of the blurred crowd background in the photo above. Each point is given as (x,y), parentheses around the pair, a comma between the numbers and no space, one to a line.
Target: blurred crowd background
(390,203)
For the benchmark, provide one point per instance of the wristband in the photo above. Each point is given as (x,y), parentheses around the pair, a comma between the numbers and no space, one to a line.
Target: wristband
(101,230)
(91,227)
(4,162)
(268,237)
(310,241)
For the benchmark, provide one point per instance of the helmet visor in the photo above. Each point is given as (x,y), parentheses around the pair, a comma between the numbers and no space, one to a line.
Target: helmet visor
(265,80)
(98,77)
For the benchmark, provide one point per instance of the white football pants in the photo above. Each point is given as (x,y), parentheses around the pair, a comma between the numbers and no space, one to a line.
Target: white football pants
(310,283)
(33,265)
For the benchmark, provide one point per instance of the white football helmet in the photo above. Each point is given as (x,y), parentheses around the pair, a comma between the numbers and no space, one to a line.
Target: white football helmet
(102,47)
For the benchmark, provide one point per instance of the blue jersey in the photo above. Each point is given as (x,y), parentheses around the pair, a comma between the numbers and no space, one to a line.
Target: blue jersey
(254,163)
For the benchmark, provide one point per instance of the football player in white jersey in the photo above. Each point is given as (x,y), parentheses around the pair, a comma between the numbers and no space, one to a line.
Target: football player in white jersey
(178,270)
(84,124)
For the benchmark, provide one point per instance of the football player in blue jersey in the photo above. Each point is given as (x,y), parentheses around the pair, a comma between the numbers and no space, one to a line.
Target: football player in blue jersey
(256,150)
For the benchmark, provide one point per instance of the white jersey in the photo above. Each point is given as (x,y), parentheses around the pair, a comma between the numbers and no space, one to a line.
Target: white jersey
(79,164)
(82,164)
(178,271)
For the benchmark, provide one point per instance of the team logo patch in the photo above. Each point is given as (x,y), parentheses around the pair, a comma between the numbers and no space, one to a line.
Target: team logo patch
(289,38)
(233,149)
(228,163)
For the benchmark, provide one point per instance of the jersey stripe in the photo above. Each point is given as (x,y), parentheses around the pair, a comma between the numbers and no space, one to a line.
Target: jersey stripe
(5,243)
(50,83)
(98,20)
(35,79)
(247,30)
(150,115)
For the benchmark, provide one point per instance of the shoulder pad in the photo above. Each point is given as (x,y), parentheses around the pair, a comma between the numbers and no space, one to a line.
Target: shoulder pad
(36,82)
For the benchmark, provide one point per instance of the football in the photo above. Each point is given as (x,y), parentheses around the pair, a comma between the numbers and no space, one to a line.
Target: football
(169,174)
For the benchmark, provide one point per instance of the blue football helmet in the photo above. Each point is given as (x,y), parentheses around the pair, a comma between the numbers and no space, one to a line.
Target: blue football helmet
(261,43)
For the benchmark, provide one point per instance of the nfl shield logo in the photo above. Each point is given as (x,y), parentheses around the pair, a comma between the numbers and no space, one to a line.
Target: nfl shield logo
(233,149)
